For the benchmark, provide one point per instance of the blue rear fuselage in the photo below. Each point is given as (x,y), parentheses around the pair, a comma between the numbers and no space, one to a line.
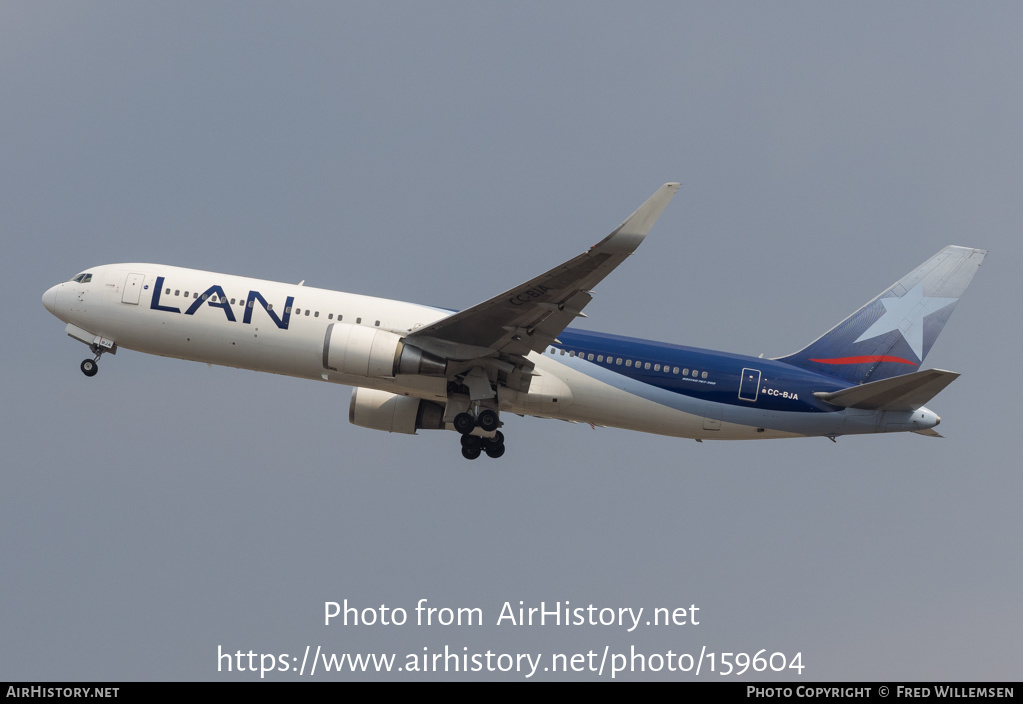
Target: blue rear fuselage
(699,374)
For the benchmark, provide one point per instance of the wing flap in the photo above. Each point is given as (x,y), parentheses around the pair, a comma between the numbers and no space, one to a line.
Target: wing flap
(900,393)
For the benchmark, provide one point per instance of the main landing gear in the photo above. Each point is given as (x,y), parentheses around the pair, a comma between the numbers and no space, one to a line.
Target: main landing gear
(475,445)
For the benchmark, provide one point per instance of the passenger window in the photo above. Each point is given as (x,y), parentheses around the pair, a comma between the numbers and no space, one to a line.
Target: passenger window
(695,373)
(377,323)
(618,361)
(307,312)
(562,353)
(685,372)
(600,358)
(288,309)
(269,306)
(628,362)
(704,375)
(657,367)
(177,292)
(647,365)
(674,370)
(358,321)
(330,316)
(186,294)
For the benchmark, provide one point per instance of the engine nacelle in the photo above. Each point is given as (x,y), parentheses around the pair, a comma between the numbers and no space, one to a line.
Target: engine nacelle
(381,410)
(375,353)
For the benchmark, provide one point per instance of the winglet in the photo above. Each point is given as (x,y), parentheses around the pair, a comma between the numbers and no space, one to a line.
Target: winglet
(630,233)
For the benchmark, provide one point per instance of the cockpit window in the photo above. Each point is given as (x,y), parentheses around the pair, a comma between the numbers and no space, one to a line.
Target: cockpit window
(83,278)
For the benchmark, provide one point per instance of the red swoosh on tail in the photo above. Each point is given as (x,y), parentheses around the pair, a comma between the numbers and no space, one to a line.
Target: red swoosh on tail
(865,360)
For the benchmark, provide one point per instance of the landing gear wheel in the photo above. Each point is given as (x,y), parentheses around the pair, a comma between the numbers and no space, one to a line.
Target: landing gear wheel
(471,453)
(487,420)
(464,423)
(494,447)
(89,367)
(472,441)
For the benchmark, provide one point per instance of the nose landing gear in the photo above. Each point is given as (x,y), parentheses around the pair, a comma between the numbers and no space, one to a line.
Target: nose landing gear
(90,367)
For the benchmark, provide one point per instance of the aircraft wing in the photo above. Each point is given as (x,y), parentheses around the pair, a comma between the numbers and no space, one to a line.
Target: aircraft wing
(899,393)
(530,316)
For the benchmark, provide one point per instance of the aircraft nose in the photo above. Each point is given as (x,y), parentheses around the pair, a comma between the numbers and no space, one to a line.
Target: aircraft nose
(50,299)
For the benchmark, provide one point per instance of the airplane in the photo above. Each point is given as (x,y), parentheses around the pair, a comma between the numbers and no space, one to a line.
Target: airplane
(415,367)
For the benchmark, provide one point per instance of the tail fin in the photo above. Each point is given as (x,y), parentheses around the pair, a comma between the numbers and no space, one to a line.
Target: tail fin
(892,334)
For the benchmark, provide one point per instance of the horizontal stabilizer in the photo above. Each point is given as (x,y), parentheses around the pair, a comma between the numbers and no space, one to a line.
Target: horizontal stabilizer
(900,393)
(929,432)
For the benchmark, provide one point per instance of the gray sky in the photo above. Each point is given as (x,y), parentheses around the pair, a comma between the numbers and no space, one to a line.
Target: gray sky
(443,152)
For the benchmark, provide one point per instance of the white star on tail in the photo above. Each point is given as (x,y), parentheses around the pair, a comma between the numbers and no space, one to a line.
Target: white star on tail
(907,315)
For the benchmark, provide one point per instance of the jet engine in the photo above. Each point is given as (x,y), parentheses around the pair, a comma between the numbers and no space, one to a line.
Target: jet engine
(381,410)
(371,352)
